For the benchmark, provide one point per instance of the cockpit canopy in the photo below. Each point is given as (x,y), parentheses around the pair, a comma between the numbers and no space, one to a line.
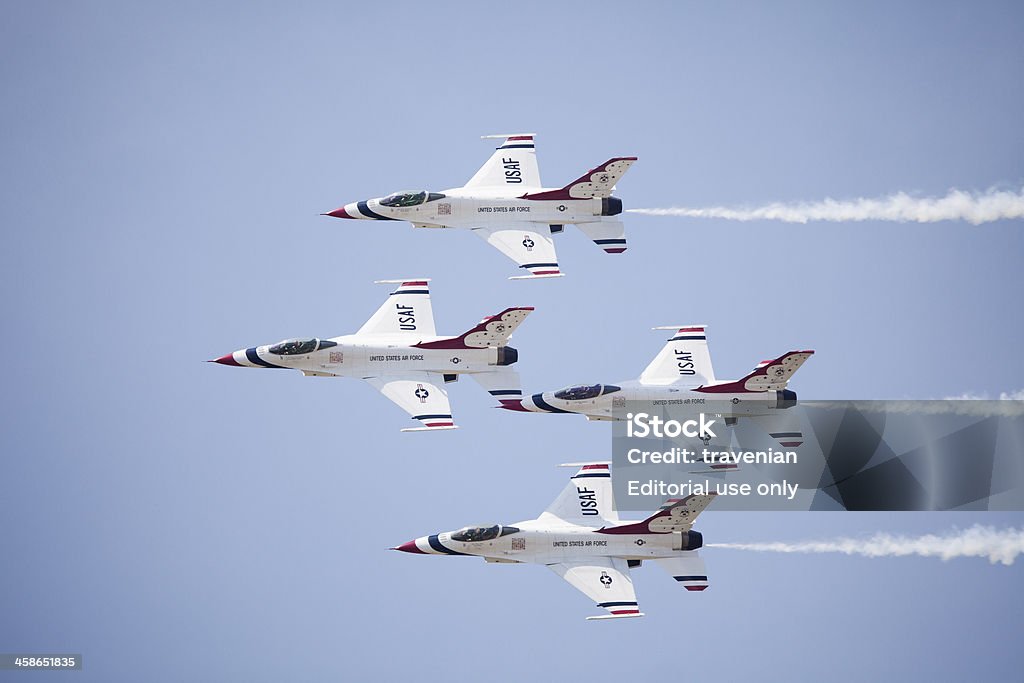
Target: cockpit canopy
(299,347)
(404,198)
(410,198)
(474,534)
(585,391)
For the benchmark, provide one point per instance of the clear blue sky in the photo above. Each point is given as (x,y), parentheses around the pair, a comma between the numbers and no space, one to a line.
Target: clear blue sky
(163,171)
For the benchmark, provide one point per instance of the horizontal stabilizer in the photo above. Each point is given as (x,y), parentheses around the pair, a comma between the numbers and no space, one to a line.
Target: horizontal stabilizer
(687,569)
(609,234)
(536,277)
(785,427)
(600,617)
(502,383)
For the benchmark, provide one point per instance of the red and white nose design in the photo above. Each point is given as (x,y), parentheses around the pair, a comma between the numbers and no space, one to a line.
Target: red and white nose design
(347,211)
(245,358)
(516,404)
(538,403)
(411,547)
(370,209)
(428,545)
(226,359)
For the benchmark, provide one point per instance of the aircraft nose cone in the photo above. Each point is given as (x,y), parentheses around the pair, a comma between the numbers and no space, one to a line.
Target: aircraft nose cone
(409,547)
(337,213)
(226,359)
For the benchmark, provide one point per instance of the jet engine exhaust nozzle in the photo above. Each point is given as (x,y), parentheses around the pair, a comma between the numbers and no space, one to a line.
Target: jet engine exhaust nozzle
(507,355)
(690,540)
(786,399)
(611,206)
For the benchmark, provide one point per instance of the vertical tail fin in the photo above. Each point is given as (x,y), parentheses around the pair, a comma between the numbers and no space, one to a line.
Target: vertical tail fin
(494,330)
(597,182)
(677,515)
(769,375)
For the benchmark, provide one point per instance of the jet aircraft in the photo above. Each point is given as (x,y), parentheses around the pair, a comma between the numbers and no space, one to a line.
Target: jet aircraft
(505,205)
(581,538)
(400,354)
(682,374)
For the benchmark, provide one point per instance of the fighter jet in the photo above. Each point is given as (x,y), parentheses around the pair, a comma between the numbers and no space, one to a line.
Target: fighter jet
(581,538)
(399,353)
(505,205)
(682,374)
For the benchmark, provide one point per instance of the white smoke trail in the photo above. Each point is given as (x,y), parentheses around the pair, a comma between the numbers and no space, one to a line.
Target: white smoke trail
(998,545)
(1003,396)
(1007,404)
(973,207)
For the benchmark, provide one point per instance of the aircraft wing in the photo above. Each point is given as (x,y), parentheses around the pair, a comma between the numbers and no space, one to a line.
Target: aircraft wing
(685,358)
(407,311)
(606,581)
(586,500)
(417,394)
(513,165)
(522,243)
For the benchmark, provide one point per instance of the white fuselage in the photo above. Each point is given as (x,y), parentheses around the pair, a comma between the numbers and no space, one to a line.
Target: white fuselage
(536,542)
(608,400)
(468,208)
(355,356)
